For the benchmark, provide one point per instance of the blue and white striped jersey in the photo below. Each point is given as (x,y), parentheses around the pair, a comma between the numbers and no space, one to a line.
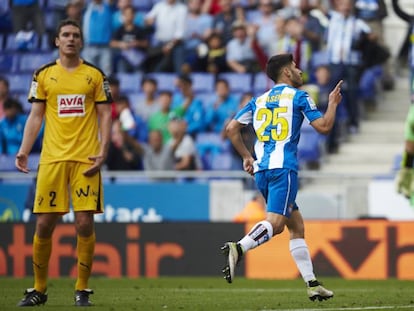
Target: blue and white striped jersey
(277,117)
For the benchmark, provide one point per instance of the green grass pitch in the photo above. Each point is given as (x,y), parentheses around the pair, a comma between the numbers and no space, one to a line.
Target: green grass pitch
(208,293)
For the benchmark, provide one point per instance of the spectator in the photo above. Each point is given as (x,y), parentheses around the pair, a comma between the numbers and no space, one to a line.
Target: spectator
(122,154)
(115,91)
(224,20)
(265,21)
(147,104)
(197,30)
(97,21)
(320,94)
(159,120)
(189,106)
(27,15)
(373,12)
(299,46)
(222,110)
(4,94)
(313,21)
(240,55)
(168,19)
(11,127)
(117,18)
(130,43)
(133,125)
(211,7)
(6,24)
(74,10)
(345,57)
(215,59)
(157,154)
(185,152)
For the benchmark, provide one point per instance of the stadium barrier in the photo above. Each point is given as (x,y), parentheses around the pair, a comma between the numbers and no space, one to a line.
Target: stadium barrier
(364,249)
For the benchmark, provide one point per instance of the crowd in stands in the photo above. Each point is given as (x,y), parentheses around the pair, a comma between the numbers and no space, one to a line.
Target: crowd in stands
(179,70)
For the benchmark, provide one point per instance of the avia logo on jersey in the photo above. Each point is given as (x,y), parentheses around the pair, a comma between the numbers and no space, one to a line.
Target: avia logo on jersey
(71,105)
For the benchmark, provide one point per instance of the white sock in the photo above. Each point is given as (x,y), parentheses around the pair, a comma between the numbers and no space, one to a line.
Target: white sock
(259,234)
(300,254)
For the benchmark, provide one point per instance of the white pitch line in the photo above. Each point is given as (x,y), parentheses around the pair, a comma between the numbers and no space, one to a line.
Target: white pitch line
(350,308)
(262,290)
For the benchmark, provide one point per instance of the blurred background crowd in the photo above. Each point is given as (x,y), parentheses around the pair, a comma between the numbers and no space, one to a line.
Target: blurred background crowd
(180,70)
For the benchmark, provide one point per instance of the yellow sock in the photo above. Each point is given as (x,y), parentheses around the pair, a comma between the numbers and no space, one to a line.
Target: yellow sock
(42,249)
(86,248)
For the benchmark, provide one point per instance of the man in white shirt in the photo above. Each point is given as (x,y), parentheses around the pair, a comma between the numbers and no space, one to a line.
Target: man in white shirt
(168,19)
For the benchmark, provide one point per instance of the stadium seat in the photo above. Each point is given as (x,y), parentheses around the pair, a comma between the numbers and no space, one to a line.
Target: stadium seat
(203,82)
(222,161)
(19,83)
(310,147)
(142,5)
(49,18)
(129,82)
(29,62)
(238,82)
(166,81)
(261,83)
(9,62)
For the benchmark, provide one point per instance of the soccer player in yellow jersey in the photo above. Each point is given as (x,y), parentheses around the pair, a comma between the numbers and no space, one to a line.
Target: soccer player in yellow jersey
(73,98)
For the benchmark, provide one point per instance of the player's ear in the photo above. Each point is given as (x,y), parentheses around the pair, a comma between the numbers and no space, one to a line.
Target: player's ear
(286,72)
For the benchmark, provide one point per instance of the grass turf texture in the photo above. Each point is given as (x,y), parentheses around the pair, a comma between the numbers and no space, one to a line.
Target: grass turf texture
(199,293)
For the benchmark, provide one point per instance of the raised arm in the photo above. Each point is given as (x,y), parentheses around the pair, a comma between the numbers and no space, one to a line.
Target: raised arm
(324,125)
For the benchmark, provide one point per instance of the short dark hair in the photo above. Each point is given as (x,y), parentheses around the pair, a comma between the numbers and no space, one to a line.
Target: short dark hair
(11,103)
(185,78)
(150,80)
(166,92)
(113,80)
(67,22)
(276,63)
(222,80)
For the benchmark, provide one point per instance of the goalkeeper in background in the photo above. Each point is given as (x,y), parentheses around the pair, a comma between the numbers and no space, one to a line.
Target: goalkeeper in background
(405,179)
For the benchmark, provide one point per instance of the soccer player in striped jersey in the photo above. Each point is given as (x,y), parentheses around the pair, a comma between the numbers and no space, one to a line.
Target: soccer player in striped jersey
(73,98)
(277,116)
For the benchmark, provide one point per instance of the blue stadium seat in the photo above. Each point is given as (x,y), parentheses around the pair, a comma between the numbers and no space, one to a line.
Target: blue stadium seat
(310,147)
(7,162)
(143,5)
(29,62)
(129,82)
(261,83)
(166,81)
(9,62)
(203,82)
(19,83)
(222,161)
(238,82)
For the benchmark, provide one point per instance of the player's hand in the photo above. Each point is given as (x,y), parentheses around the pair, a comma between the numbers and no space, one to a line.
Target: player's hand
(248,165)
(21,162)
(335,96)
(98,161)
